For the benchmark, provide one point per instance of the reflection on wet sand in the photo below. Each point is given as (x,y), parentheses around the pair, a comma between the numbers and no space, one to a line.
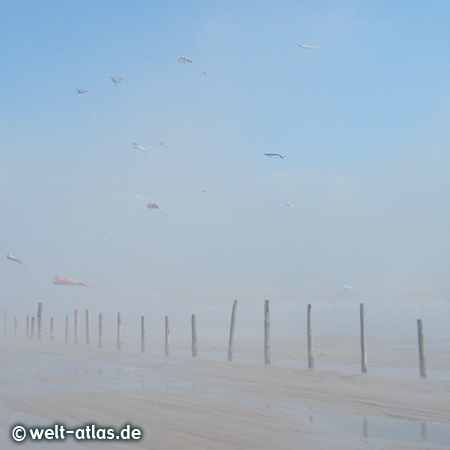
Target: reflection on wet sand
(104,374)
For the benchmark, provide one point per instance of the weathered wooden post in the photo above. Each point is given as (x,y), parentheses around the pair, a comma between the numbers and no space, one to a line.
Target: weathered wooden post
(167,336)
(423,368)
(51,329)
(16,320)
(310,339)
(39,321)
(230,343)
(77,325)
(100,330)
(67,328)
(423,431)
(88,327)
(194,336)
(28,327)
(119,331)
(363,339)
(142,335)
(32,328)
(266,332)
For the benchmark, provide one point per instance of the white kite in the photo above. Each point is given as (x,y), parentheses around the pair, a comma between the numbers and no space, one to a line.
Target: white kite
(143,149)
(308,47)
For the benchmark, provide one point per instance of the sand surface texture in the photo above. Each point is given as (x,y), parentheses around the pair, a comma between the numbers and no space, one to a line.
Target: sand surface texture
(186,403)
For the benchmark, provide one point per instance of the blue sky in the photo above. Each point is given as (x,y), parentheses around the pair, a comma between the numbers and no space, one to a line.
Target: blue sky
(362,119)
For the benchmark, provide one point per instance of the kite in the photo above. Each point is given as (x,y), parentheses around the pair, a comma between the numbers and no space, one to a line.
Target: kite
(204,190)
(66,282)
(348,288)
(204,73)
(289,204)
(141,197)
(150,204)
(13,258)
(308,47)
(184,60)
(116,80)
(271,155)
(142,149)
(81,91)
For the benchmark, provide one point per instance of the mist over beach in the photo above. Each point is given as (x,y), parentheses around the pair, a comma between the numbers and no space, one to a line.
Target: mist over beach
(166,159)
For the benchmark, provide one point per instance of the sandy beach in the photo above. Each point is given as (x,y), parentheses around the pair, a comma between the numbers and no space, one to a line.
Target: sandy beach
(180,402)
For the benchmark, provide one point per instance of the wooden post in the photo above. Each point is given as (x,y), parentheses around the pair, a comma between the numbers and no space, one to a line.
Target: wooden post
(100,330)
(77,325)
(266,332)
(28,327)
(119,331)
(88,327)
(16,320)
(39,321)
(142,335)
(310,339)
(32,328)
(363,339)
(51,329)
(167,336)
(365,428)
(423,368)
(67,328)
(4,324)
(194,336)
(423,431)
(230,343)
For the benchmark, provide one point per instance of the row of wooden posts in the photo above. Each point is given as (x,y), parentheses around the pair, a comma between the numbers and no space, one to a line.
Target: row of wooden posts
(30,334)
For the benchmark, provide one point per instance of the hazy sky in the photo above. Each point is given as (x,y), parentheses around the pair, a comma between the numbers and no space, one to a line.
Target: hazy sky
(363,120)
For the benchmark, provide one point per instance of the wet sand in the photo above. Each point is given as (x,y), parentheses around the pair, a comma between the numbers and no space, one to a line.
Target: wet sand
(186,403)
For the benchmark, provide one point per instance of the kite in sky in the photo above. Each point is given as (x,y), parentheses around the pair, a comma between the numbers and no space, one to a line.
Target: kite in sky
(289,204)
(308,47)
(13,258)
(150,204)
(141,197)
(142,149)
(204,190)
(66,282)
(81,91)
(271,155)
(204,73)
(116,80)
(348,288)
(184,60)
